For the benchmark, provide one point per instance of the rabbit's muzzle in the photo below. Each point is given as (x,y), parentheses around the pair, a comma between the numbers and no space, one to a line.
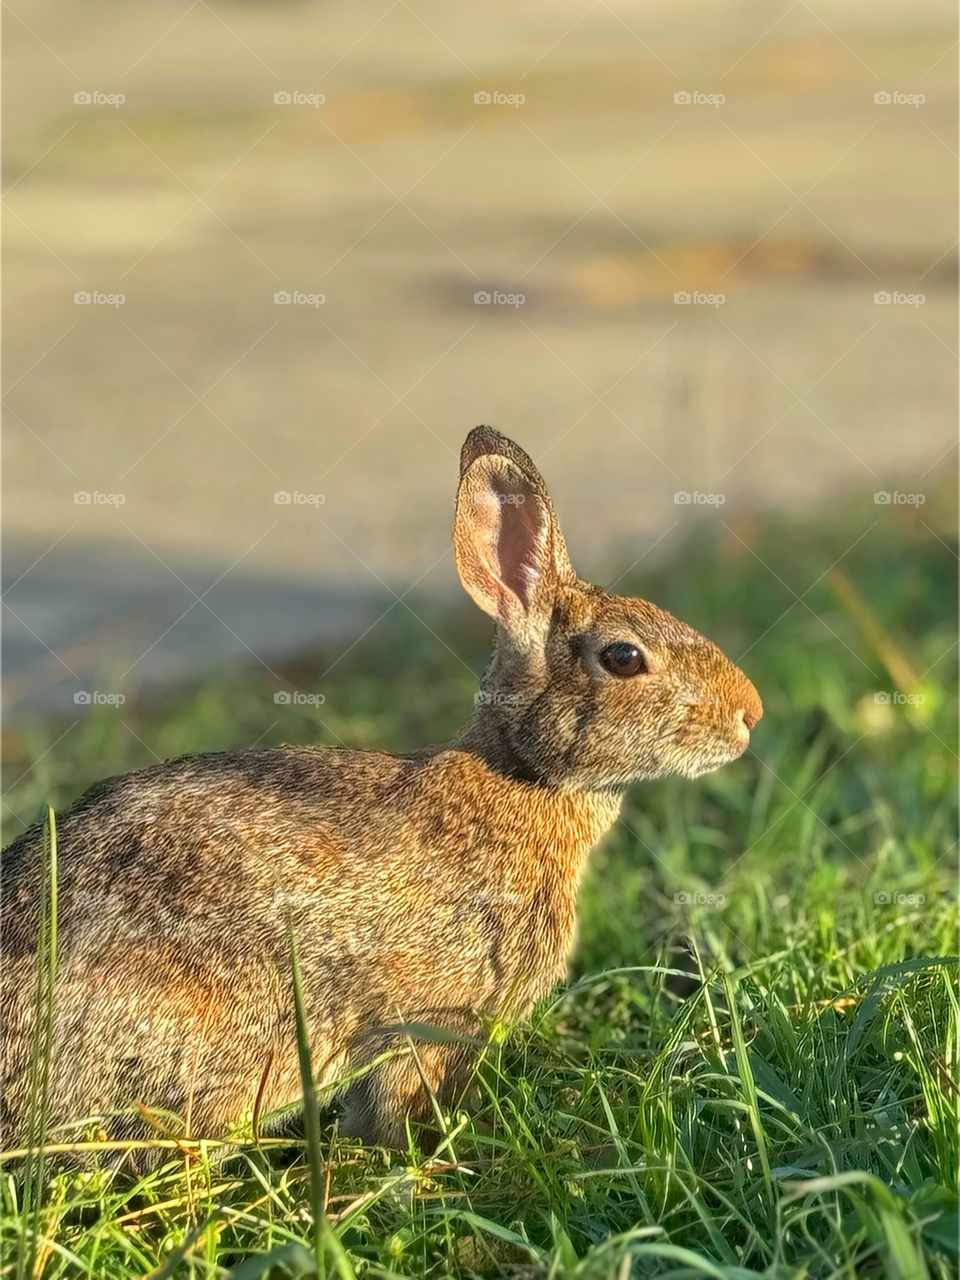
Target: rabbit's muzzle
(716,728)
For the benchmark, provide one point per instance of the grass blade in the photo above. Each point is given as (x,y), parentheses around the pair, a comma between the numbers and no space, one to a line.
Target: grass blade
(41,1051)
(324,1237)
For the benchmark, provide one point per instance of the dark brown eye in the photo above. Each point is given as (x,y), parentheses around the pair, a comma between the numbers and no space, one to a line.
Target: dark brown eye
(623,659)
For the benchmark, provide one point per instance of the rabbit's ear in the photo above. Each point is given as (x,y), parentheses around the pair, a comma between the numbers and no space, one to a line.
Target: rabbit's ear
(483,440)
(510,552)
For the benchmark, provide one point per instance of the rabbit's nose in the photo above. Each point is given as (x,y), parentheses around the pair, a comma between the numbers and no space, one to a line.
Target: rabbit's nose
(752,708)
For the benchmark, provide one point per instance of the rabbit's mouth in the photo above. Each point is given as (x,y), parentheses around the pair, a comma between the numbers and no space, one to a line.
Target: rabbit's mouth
(716,760)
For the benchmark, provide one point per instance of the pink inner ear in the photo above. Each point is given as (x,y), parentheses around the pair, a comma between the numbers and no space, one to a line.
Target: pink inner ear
(519,536)
(504,542)
(519,542)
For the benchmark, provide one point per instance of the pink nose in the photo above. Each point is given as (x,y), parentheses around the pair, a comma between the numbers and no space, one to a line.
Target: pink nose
(749,720)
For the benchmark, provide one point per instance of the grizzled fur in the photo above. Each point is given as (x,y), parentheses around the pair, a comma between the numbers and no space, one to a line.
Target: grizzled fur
(436,888)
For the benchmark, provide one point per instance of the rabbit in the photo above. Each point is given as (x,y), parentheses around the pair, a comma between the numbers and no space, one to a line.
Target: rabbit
(438,887)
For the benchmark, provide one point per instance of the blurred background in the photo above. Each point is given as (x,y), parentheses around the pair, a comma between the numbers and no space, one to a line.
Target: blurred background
(542,152)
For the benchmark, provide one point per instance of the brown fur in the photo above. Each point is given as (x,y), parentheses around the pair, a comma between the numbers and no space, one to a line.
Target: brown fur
(436,888)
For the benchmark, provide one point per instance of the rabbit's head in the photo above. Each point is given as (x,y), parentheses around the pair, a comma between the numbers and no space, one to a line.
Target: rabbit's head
(586,690)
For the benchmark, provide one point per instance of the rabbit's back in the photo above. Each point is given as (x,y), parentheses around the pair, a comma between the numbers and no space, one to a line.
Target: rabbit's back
(185,848)
(411,884)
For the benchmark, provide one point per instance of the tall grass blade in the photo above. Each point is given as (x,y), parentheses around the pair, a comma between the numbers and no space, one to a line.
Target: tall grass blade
(745,1072)
(40,1050)
(324,1237)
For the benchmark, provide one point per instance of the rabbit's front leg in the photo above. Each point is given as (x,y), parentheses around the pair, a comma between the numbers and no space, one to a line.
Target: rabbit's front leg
(378,1103)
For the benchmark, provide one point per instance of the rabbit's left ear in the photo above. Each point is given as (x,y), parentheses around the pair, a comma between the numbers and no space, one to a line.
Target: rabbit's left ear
(510,552)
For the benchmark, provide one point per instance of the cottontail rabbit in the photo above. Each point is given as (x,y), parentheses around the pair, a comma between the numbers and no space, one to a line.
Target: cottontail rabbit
(438,887)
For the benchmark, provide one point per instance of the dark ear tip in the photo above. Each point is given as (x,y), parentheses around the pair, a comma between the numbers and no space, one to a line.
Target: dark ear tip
(483,440)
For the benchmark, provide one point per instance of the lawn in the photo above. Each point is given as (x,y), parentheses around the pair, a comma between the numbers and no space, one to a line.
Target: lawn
(754,1069)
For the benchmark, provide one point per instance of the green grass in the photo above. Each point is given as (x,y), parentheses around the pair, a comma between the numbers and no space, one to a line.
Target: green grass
(763,1085)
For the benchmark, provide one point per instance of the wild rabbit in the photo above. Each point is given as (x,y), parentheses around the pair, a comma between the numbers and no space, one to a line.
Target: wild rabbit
(438,887)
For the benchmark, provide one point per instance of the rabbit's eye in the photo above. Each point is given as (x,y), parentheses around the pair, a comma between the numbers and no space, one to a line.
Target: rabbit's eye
(623,659)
